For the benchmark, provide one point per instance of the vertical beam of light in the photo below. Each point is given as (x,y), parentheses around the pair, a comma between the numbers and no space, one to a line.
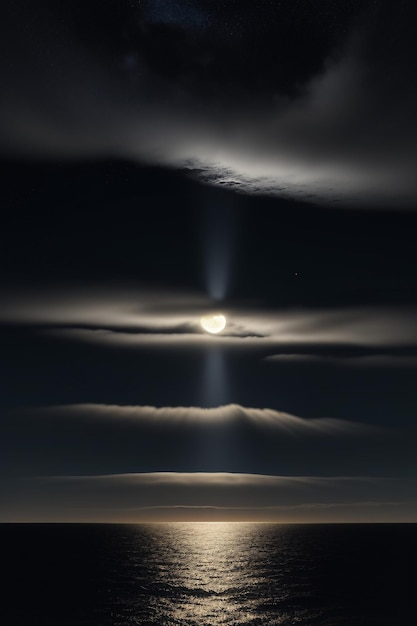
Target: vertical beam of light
(214,381)
(219,245)
(215,451)
(219,249)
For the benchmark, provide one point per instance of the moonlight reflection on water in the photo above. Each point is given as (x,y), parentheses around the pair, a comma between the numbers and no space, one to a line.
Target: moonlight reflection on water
(208,574)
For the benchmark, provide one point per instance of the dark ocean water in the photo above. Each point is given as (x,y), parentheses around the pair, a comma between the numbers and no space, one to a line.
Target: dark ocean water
(208,574)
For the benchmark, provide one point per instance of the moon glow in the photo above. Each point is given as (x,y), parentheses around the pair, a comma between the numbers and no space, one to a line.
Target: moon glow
(214,323)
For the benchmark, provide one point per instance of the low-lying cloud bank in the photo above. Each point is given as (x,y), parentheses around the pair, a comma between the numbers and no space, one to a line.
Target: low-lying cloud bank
(222,496)
(98,439)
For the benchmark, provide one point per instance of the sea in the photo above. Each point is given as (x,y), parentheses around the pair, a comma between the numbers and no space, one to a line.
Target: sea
(208,574)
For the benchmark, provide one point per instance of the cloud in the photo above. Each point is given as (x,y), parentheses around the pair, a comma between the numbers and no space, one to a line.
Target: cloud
(347,138)
(366,361)
(166,359)
(127,307)
(136,317)
(96,439)
(189,416)
(156,496)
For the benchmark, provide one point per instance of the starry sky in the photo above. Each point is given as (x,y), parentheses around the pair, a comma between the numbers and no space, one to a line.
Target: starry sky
(163,160)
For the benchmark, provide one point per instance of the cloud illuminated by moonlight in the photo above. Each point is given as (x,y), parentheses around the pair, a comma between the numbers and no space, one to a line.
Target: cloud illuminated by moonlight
(179,496)
(133,316)
(98,438)
(349,137)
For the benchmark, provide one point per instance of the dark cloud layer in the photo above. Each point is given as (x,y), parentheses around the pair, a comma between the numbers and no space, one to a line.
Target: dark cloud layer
(131,464)
(347,136)
(162,496)
(96,439)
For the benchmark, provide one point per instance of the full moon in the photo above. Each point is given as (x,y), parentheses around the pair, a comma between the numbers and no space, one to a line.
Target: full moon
(213,323)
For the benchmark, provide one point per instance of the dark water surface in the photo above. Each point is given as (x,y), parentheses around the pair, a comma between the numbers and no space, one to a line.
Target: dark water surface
(208,574)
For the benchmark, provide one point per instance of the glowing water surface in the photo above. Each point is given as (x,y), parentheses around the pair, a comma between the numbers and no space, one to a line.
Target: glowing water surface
(242,574)
(208,574)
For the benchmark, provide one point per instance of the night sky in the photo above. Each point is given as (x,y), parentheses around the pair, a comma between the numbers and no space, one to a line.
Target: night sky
(164,160)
